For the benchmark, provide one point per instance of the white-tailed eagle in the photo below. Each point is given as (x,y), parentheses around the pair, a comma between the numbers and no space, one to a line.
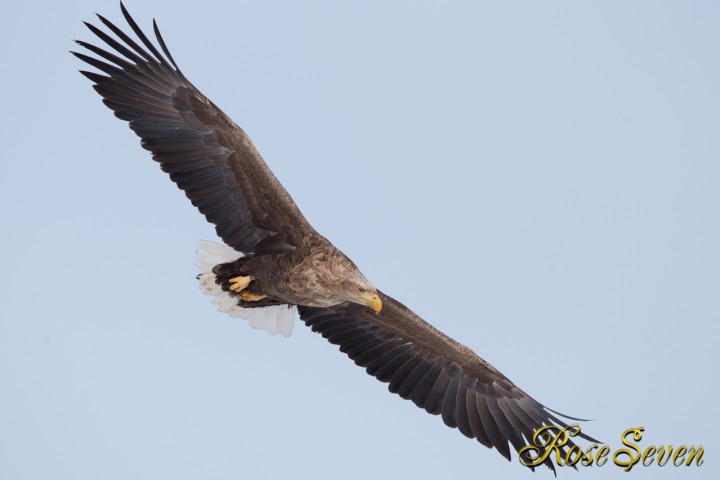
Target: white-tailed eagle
(274,264)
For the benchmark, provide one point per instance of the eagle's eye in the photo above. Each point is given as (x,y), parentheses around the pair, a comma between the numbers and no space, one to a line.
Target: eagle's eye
(361,290)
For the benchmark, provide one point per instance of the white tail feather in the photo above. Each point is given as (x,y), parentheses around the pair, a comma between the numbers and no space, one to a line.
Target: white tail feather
(274,319)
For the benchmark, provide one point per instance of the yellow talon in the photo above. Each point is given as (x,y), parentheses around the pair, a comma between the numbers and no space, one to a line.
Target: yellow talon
(239,283)
(251,297)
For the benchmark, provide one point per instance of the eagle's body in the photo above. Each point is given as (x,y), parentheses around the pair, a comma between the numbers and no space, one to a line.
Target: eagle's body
(308,275)
(274,262)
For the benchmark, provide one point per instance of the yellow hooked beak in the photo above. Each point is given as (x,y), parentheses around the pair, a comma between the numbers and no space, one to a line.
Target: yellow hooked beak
(372,300)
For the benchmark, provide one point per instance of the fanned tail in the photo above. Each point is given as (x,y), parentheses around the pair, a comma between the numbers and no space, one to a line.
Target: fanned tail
(273,319)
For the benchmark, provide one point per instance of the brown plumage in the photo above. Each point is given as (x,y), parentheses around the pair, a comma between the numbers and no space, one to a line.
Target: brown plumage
(286,261)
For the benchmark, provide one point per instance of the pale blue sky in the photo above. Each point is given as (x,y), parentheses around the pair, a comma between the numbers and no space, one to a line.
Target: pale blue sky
(539,180)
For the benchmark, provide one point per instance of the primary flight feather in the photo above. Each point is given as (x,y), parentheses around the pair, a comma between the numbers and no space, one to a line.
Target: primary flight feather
(275,263)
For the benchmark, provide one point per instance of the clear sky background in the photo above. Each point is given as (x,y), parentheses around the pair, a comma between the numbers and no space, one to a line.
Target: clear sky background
(539,180)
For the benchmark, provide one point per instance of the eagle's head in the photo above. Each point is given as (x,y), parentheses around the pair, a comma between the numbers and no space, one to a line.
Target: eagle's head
(333,278)
(363,292)
(355,288)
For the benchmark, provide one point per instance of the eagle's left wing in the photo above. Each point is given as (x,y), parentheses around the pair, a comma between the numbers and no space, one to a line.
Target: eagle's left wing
(438,374)
(205,153)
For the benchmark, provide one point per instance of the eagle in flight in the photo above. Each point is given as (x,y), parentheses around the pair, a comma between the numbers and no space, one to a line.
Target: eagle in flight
(274,265)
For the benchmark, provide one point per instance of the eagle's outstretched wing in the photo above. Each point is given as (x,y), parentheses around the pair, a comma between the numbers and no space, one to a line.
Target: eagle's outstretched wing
(444,377)
(204,151)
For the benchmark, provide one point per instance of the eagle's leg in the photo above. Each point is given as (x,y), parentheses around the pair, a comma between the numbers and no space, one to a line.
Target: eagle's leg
(248,296)
(239,283)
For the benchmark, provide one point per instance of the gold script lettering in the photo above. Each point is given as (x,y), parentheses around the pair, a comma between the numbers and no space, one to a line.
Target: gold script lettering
(631,459)
(544,442)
